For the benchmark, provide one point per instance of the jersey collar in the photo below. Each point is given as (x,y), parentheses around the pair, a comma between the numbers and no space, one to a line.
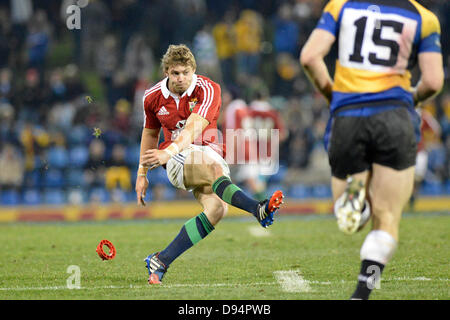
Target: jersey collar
(166,93)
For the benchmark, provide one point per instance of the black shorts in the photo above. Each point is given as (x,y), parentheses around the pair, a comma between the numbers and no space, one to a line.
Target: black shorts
(387,138)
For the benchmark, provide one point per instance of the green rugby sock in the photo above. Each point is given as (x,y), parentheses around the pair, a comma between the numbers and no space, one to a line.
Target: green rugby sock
(191,233)
(232,194)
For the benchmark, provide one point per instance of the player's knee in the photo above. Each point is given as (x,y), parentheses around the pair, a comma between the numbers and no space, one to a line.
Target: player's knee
(222,209)
(216,211)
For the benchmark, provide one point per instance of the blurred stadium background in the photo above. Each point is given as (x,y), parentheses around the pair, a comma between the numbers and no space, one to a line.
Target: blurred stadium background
(71,101)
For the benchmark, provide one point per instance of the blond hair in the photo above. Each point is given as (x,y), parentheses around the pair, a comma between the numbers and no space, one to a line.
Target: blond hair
(178,55)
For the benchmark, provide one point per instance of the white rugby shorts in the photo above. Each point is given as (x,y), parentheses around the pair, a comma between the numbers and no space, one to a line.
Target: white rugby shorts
(175,165)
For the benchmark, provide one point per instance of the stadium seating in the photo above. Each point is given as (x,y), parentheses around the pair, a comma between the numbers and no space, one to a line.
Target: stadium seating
(10,198)
(78,135)
(159,176)
(431,188)
(57,157)
(53,178)
(447,187)
(321,191)
(32,197)
(76,196)
(279,176)
(54,197)
(99,195)
(133,154)
(299,191)
(436,159)
(74,178)
(170,194)
(272,187)
(78,156)
(32,179)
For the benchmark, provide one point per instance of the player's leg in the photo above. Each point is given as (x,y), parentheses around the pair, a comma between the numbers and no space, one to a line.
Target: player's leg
(350,168)
(194,230)
(394,154)
(390,192)
(213,207)
(197,228)
(208,169)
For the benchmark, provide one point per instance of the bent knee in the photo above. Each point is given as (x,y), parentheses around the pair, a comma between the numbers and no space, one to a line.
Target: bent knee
(216,211)
(221,209)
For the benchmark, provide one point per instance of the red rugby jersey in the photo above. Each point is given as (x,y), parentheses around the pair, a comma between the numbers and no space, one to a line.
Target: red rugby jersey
(163,109)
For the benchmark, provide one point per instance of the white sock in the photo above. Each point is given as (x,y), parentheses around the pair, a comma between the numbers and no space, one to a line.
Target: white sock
(378,246)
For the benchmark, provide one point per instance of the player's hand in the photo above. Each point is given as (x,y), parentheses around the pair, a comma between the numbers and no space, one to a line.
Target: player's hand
(141,189)
(155,158)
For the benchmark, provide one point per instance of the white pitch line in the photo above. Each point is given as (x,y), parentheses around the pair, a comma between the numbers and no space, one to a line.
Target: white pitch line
(414,279)
(181,285)
(258,232)
(291,281)
(212,285)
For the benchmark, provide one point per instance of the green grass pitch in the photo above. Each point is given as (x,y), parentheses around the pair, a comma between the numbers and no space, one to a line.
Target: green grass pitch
(232,263)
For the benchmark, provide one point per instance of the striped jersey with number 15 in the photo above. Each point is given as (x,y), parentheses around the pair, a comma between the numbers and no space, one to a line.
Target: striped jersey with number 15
(378,44)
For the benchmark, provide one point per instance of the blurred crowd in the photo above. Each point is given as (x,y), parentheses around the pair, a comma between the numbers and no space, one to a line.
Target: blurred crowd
(71,99)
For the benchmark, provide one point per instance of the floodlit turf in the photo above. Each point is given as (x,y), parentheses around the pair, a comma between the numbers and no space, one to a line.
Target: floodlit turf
(231,263)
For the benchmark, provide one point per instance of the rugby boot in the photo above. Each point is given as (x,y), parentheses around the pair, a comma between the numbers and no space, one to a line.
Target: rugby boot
(156,269)
(268,207)
(349,207)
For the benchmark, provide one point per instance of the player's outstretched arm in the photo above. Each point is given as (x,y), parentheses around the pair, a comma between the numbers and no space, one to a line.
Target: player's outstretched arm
(312,61)
(149,140)
(195,125)
(432,76)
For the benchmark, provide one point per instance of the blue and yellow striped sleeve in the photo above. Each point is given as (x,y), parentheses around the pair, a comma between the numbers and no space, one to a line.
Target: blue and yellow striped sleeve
(330,16)
(430,33)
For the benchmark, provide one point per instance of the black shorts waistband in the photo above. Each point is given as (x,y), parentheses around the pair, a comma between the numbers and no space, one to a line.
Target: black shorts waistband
(373,104)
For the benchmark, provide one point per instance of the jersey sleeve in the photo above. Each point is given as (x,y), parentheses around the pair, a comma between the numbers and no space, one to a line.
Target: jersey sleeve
(431,33)
(150,119)
(330,16)
(210,100)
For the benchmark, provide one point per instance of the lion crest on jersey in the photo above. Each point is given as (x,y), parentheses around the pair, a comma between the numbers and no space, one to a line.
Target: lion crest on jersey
(192,104)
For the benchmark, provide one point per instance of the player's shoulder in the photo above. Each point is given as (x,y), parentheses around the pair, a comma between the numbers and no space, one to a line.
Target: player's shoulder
(430,22)
(206,88)
(153,92)
(422,9)
(335,2)
(334,7)
(205,81)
